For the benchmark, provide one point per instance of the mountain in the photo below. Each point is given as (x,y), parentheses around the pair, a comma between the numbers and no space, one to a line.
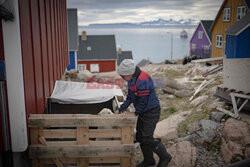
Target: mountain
(155,23)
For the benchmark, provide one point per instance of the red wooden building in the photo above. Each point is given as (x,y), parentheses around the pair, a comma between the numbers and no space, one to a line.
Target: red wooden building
(34,54)
(97,53)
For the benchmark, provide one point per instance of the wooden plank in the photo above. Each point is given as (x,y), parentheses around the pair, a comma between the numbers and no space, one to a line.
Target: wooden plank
(106,143)
(61,143)
(83,162)
(51,120)
(35,163)
(105,133)
(127,135)
(74,151)
(55,160)
(126,162)
(104,160)
(82,135)
(34,135)
(59,133)
(91,160)
(92,143)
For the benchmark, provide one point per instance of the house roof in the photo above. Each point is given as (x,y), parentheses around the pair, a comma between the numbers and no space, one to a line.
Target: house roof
(239,26)
(206,25)
(143,62)
(97,47)
(246,2)
(72,29)
(124,55)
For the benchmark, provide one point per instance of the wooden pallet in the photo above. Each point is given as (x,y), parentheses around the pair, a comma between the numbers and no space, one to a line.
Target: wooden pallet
(72,139)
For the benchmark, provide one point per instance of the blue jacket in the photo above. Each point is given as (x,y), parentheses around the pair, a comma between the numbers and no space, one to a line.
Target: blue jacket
(141,93)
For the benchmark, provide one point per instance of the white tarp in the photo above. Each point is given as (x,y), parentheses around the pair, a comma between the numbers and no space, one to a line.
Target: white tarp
(83,93)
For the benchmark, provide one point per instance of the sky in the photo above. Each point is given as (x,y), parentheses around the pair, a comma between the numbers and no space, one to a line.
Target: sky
(135,11)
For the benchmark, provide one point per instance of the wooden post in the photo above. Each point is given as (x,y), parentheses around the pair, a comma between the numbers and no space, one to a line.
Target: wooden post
(82,137)
(127,135)
(127,138)
(34,139)
(126,162)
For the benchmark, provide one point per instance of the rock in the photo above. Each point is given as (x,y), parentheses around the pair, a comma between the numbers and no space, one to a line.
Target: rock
(208,124)
(237,131)
(169,96)
(199,100)
(207,132)
(183,154)
(172,83)
(216,116)
(193,126)
(230,150)
(172,135)
(186,138)
(168,126)
(183,93)
(247,152)
(236,140)
(168,90)
(83,76)
(179,93)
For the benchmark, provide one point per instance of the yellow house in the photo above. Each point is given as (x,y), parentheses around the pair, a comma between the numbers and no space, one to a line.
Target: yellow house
(230,12)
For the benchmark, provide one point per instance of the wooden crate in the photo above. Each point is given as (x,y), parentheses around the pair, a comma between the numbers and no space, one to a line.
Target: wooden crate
(81,140)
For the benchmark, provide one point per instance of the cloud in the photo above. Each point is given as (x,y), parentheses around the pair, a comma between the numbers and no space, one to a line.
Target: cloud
(113,11)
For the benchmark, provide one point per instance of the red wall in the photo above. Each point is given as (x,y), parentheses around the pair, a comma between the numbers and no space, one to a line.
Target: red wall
(104,66)
(1,41)
(43,25)
(1,58)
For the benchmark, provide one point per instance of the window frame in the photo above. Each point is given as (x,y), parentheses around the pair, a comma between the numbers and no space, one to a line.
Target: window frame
(223,16)
(91,70)
(200,34)
(193,47)
(219,43)
(206,49)
(80,67)
(241,14)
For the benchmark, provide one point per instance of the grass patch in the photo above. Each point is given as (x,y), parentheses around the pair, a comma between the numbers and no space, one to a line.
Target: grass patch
(166,113)
(195,116)
(215,145)
(174,73)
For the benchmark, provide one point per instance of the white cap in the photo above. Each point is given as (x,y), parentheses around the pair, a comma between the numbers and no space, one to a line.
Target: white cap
(127,67)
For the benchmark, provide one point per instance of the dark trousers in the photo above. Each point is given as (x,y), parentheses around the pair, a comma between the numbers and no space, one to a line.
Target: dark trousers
(145,127)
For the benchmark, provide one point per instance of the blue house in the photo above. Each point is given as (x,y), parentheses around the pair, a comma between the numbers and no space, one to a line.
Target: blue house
(238,39)
(236,62)
(72,38)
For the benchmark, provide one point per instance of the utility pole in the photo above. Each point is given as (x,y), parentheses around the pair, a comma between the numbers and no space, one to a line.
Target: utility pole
(171,44)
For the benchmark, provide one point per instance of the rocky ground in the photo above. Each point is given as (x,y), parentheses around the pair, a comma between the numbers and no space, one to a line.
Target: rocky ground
(194,132)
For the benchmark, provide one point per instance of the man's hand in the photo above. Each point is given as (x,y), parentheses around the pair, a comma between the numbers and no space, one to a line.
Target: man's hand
(117,112)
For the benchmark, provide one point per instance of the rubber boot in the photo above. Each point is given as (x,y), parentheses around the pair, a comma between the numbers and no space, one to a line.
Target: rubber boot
(164,156)
(148,157)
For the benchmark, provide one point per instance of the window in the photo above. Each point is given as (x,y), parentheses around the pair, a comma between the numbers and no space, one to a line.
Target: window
(206,49)
(241,11)
(219,39)
(193,47)
(81,67)
(200,34)
(94,67)
(226,14)
(89,48)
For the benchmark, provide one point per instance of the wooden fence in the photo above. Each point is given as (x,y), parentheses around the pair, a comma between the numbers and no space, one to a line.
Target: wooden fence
(81,140)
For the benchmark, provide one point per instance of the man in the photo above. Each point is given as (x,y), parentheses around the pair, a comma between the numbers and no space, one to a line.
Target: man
(141,93)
